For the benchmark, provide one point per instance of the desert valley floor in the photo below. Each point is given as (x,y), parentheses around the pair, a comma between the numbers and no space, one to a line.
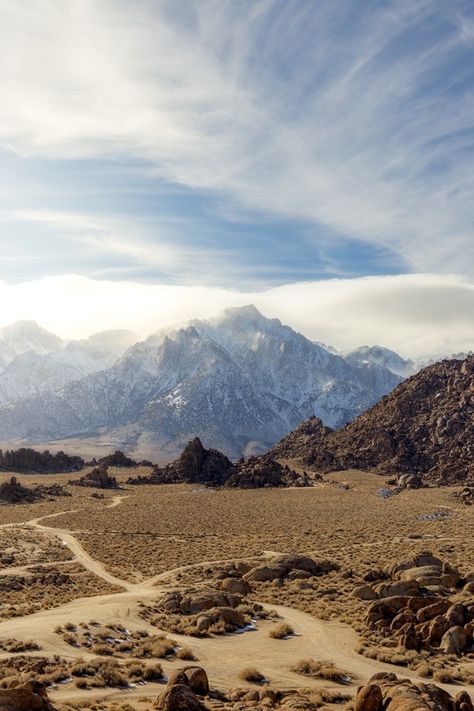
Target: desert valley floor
(93,579)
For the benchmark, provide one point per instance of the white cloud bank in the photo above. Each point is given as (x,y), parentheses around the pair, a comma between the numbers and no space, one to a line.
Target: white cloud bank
(416,315)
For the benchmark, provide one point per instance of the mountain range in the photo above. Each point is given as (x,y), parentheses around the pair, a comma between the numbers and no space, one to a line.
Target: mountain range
(239,381)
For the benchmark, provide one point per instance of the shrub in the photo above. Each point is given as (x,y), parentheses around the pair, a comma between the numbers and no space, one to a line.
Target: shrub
(320,670)
(252,674)
(281,631)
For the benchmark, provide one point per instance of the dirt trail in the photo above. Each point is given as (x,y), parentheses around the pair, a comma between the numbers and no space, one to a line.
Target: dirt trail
(222,657)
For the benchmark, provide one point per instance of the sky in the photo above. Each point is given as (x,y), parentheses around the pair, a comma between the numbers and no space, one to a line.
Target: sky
(161,160)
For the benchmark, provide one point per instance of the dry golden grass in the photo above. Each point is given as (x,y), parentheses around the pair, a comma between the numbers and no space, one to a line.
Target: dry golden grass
(317,669)
(167,528)
(26,593)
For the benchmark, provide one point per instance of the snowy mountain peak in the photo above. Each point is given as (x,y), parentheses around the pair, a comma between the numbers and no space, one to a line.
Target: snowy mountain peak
(236,379)
(381,356)
(23,336)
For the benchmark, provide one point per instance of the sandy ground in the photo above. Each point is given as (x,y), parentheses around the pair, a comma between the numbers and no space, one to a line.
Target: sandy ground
(222,657)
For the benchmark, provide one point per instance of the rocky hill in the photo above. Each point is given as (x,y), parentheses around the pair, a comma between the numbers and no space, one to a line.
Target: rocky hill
(426,426)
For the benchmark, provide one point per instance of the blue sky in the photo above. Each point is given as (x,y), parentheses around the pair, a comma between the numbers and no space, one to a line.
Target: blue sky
(243,145)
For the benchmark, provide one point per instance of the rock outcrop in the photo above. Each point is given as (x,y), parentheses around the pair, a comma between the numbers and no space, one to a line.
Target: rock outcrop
(27,697)
(30,461)
(425,427)
(413,605)
(98,478)
(117,459)
(264,471)
(12,492)
(386,692)
(198,465)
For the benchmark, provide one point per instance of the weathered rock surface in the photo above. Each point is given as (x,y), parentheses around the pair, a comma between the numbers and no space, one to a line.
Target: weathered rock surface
(282,566)
(27,697)
(406,610)
(386,692)
(425,427)
(98,478)
(30,461)
(198,465)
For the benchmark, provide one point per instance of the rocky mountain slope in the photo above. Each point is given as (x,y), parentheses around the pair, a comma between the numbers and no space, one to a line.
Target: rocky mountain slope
(33,360)
(238,381)
(426,426)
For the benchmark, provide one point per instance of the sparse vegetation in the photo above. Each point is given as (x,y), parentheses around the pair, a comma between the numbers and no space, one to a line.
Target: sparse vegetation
(252,675)
(317,669)
(281,631)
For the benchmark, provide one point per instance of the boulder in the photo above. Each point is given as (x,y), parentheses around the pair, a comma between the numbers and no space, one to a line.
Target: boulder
(364,592)
(454,641)
(405,588)
(196,679)
(368,698)
(431,611)
(27,697)
(403,695)
(463,702)
(179,698)
(264,573)
(207,599)
(237,586)
(456,615)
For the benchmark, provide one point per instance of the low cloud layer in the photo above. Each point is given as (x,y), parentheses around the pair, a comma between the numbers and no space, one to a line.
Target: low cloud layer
(416,315)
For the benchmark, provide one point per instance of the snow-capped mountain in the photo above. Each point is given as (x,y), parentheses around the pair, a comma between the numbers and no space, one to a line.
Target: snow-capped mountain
(233,380)
(33,360)
(22,337)
(384,357)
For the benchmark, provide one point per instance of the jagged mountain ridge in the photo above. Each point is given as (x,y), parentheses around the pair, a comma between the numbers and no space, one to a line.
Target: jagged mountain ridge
(34,360)
(424,426)
(385,357)
(238,378)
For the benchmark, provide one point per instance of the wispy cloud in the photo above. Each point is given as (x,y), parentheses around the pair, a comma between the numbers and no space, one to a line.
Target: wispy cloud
(355,116)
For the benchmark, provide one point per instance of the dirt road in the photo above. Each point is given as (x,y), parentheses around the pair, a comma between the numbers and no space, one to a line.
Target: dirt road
(223,657)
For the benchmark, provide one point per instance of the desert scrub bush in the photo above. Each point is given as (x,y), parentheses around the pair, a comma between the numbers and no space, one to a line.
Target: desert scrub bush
(137,671)
(281,631)
(103,650)
(252,674)
(317,669)
(186,653)
(15,646)
(70,638)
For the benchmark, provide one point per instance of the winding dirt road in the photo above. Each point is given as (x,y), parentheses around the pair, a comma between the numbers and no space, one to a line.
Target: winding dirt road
(222,657)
